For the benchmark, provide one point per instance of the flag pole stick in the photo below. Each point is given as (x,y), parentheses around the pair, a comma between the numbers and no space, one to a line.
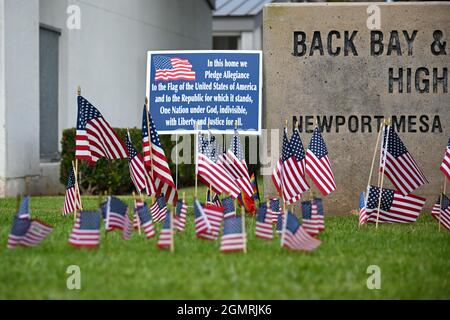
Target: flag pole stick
(388,122)
(147,106)
(137,215)
(283,230)
(196,160)
(172,243)
(77,190)
(440,202)
(373,165)
(76,168)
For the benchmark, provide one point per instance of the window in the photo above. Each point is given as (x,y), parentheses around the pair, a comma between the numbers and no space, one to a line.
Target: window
(48,103)
(225,42)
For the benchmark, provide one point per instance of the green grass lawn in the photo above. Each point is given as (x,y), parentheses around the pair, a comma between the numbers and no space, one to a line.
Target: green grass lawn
(414,262)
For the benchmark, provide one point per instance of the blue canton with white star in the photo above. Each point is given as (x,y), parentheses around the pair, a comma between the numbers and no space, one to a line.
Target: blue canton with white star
(395,145)
(86,112)
(306,209)
(297,146)
(317,144)
(387,196)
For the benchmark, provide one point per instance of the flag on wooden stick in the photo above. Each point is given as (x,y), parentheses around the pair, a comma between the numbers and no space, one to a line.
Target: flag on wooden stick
(308,223)
(146,220)
(362,209)
(264,225)
(159,209)
(72,199)
(180,215)
(233,236)
(445,166)
(165,240)
(296,237)
(202,224)
(441,211)
(86,230)
(27,232)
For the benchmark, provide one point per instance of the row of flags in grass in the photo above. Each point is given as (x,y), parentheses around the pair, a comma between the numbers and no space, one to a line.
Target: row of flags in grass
(441,209)
(289,173)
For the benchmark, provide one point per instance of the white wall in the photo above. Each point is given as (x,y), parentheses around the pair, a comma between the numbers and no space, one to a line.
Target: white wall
(106,57)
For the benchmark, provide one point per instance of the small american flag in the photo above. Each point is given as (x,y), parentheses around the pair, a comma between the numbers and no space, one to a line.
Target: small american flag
(318,165)
(155,160)
(288,175)
(180,215)
(86,230)
(445,166)
(273,211)
(95,137)
(72,199)
(214,214)
(159,209)
(395,207)
(229,210)
(264,223)
(145,218)
(117,216)
(399,166)
(441,211)
(279,225)
(27,233)
(138,173)
(137,204)
(296,237)
(168,69)
(24,209)
(202,224)
(362,209)
(309,224)
(317,213)
(234,162)
(233,237)
(165,240)
(213,174)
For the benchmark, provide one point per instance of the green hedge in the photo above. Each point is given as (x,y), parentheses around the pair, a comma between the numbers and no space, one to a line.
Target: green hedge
(114,176)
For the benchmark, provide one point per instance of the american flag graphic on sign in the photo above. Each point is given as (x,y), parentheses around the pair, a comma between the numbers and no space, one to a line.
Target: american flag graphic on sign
(264,223)
(180,215)
(72,199)
(146,220)
(233,237)
(445,166)
(362,209)
(138,173)
(202,224)
(27,233)
(398,164)
(173,68)
(95,137)
(296,237)
(318,165)
(159,209)
(395,207)
(165,240)
(155,160)
(86,230)
(309,224)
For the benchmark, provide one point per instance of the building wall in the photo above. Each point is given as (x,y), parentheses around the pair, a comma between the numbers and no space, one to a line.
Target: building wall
(106,57)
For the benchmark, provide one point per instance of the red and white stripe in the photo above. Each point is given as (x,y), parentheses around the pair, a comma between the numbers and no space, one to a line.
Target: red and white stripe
(139,176)
(182,70)
(362,216)
(445,165)
(37,232)
(233,243)
(180,220)
(404,209)
(83,238)
(300,241)
(158,214)
(72,201)
(137,204)
(319,170)
(99,141)
(264,230)
(316,217)
(214,215)
(237,170)
(216,176)
(293,181)
(165,239)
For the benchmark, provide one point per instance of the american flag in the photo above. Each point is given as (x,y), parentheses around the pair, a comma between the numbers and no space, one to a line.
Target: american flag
(72,199)
(138,173)
(27,232)
(95,137)
(362,209)
(165,240)
(318,164)
(145,218)
(309,224)
(288,175)
(234,162)
(117,216)
(229,210)
(137,204)
(264,223)
(296,237)
(159,209)
(168,69)
(202,224)
(317,213)
(273,211)
(445,166)
(180,215)
(155,160)
(214,214)
(86,230)
(399,166)
(233,237)
(279,225)
(24,208)
(212,174)
(395,207)
(441,211)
